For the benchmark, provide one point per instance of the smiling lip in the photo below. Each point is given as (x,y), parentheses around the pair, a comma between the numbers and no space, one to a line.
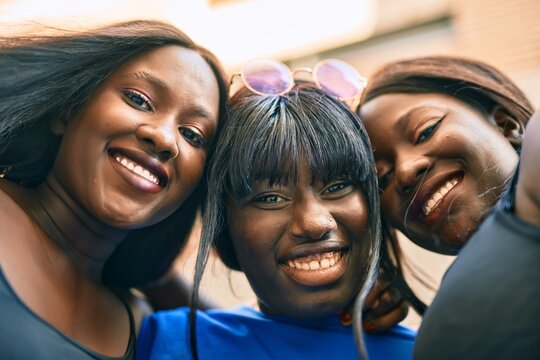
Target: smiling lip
(140,170)
(433,199)
(316,267)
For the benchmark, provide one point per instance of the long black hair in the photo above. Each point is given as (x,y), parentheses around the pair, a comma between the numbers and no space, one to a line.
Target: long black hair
(47,77)
(473,82)
(269,138)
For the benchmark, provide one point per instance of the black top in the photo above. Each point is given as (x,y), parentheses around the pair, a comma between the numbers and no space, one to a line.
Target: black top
(488,305)
(24,335)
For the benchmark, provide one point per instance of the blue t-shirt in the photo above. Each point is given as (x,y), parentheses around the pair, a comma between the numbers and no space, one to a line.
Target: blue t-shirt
(245,333)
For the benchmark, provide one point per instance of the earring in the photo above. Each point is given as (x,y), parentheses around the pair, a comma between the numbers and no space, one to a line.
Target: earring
(346,318)
(4,171)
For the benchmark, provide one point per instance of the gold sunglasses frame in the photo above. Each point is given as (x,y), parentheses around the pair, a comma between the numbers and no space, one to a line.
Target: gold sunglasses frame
(313,72)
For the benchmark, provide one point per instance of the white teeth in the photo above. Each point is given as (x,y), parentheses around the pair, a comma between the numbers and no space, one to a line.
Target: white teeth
(325,263)
(315,262)
(137,169)
(438,196)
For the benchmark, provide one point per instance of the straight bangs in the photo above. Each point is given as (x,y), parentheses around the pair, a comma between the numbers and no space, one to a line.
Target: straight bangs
(282,133)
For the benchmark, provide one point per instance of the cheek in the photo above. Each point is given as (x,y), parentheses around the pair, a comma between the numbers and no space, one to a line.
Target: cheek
(253,236)
(78,156)
(354,216)
(391,209)
(189,168)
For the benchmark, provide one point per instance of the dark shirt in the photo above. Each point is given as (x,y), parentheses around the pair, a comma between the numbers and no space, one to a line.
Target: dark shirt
(488,305)
(24,335)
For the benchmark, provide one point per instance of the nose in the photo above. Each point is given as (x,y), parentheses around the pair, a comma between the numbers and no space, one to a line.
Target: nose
(312,220)
(410,171)
(161,136)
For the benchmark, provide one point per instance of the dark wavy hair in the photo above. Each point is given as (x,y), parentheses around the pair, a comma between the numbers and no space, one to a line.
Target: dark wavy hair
(268,138)
(471,81)
(45,77)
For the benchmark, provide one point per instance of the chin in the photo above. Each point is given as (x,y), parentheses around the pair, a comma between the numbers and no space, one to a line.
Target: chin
(316,309)
(122,217)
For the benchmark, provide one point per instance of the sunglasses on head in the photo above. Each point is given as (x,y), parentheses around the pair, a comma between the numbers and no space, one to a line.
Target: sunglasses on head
(335,77)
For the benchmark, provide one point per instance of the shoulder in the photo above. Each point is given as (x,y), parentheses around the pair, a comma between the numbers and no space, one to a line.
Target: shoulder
(12,201)
(164,332)
(491,282)
(168,331)
(161,321)
(14,220)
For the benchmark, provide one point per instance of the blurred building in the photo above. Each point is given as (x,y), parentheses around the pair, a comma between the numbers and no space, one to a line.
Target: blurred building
(503,33)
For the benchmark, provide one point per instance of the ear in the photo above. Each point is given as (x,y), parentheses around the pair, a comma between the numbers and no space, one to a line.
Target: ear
(58,126)
(511,128)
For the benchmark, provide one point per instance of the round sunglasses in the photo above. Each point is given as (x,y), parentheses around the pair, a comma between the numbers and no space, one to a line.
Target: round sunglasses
(333,76)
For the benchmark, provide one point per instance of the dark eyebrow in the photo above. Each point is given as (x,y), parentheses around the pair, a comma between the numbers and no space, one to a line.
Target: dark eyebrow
(151,79)
(201,112)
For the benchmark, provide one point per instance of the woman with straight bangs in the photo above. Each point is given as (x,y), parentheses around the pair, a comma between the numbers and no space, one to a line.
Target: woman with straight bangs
(447,135)
(292,203)
(104,135)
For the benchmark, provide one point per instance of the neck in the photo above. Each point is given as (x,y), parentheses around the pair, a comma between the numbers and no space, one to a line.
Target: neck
(85,240)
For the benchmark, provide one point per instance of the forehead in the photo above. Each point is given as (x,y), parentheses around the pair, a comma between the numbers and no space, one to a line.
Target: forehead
(383,112)
(395,105)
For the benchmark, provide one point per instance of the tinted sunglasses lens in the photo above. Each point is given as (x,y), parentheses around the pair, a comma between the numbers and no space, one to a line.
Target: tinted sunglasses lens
(339,79)
(267,77)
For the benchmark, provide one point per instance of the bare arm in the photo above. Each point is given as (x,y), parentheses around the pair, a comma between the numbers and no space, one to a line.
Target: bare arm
(528,186)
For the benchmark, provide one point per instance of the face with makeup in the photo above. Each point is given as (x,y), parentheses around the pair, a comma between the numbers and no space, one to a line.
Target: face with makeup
(137,150)
(441,163)
(303,245)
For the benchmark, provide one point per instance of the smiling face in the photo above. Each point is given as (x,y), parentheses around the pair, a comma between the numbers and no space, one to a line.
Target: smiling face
(441,165)
(302,245)
(138,148)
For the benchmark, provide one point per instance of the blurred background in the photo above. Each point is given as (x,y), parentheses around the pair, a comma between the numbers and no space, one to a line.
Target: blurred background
(365,33)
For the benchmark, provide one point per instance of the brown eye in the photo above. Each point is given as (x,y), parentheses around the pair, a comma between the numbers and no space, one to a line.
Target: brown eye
(337,187)
(270,199)
(429,131)
(138,100)
(192,136)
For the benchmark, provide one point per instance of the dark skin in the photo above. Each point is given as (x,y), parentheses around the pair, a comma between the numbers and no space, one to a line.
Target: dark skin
(419,138)
(384,307)
(307,239)
(442,164)
(76,305)
(56,239)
